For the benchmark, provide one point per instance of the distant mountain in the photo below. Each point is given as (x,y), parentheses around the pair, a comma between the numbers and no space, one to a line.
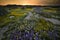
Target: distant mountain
(14,5)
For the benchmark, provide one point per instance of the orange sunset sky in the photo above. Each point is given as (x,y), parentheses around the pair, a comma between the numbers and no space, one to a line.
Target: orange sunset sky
(30,2)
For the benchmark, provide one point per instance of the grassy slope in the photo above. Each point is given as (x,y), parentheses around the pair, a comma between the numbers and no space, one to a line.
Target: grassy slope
(40,24)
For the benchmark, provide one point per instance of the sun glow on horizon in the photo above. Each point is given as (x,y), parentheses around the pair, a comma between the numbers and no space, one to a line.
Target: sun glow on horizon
(25,4)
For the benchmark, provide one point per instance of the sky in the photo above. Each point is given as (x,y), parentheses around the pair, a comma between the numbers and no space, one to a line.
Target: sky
(29,2)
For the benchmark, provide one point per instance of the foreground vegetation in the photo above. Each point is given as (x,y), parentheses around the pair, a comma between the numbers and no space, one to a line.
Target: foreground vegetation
(19,22)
